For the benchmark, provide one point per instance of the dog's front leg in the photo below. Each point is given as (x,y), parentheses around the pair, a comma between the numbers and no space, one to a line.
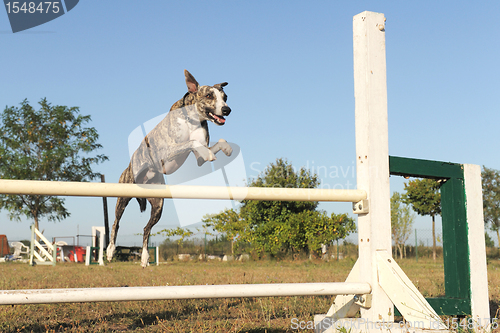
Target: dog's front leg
(201,152)
(222,145)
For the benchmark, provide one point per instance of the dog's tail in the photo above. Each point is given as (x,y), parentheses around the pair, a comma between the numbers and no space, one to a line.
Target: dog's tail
(142,203)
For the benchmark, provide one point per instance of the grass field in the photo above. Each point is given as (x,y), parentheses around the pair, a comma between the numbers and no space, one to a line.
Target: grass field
(219,315)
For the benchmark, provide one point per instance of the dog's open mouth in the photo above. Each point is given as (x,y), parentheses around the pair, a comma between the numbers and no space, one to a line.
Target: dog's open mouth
(219,120)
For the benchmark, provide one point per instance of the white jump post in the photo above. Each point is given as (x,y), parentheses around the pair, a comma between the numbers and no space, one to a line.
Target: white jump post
(480,305)
(99,232)
(372,155)
(375,266)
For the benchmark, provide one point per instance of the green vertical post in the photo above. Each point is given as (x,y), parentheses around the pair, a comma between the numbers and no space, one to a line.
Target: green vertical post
(455,249)
(153,259)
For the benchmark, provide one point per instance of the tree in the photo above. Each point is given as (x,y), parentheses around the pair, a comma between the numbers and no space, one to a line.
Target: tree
(488,241)
(180,232)
(402,220)
(273,226)
(230,224)
(424,197)
(308,230)
(51,143)
(491,199)
(268,220)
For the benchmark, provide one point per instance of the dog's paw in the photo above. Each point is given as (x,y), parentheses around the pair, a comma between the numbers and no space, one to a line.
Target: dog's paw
(225,147)
(202,161)
(204,155)
(211,156)
(144,258)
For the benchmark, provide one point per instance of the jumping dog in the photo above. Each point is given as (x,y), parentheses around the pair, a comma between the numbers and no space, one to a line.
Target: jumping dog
(167,146)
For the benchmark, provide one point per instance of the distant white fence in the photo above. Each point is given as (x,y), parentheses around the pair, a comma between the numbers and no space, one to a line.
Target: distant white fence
(41,253)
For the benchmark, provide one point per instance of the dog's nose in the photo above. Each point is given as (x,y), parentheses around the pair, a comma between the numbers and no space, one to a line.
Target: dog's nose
(226,110)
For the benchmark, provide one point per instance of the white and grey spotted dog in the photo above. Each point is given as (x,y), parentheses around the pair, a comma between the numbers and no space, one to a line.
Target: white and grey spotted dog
(167,146)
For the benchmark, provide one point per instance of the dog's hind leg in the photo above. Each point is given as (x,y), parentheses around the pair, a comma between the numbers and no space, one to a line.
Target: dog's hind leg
(156,210)
(121,203)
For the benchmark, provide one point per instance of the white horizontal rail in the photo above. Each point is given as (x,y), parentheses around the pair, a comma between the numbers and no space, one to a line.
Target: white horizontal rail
(116,294)
(55,188)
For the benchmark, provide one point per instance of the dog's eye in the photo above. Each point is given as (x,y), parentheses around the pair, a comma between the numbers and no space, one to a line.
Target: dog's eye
(209,96)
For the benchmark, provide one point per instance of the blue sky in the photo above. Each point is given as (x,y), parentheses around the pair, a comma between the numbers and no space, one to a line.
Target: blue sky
(290,72)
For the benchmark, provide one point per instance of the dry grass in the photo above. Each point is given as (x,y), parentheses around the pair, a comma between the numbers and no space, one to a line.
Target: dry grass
(427,275)
(219,315)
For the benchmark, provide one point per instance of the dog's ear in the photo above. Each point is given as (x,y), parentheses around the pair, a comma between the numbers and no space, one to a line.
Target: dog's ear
(219,86)
(191,82)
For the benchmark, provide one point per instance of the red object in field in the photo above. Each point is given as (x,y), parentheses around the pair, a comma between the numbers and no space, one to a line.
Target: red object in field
(80,252)
(4,246)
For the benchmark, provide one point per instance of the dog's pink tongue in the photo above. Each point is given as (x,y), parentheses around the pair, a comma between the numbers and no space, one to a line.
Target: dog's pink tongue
(220,120)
